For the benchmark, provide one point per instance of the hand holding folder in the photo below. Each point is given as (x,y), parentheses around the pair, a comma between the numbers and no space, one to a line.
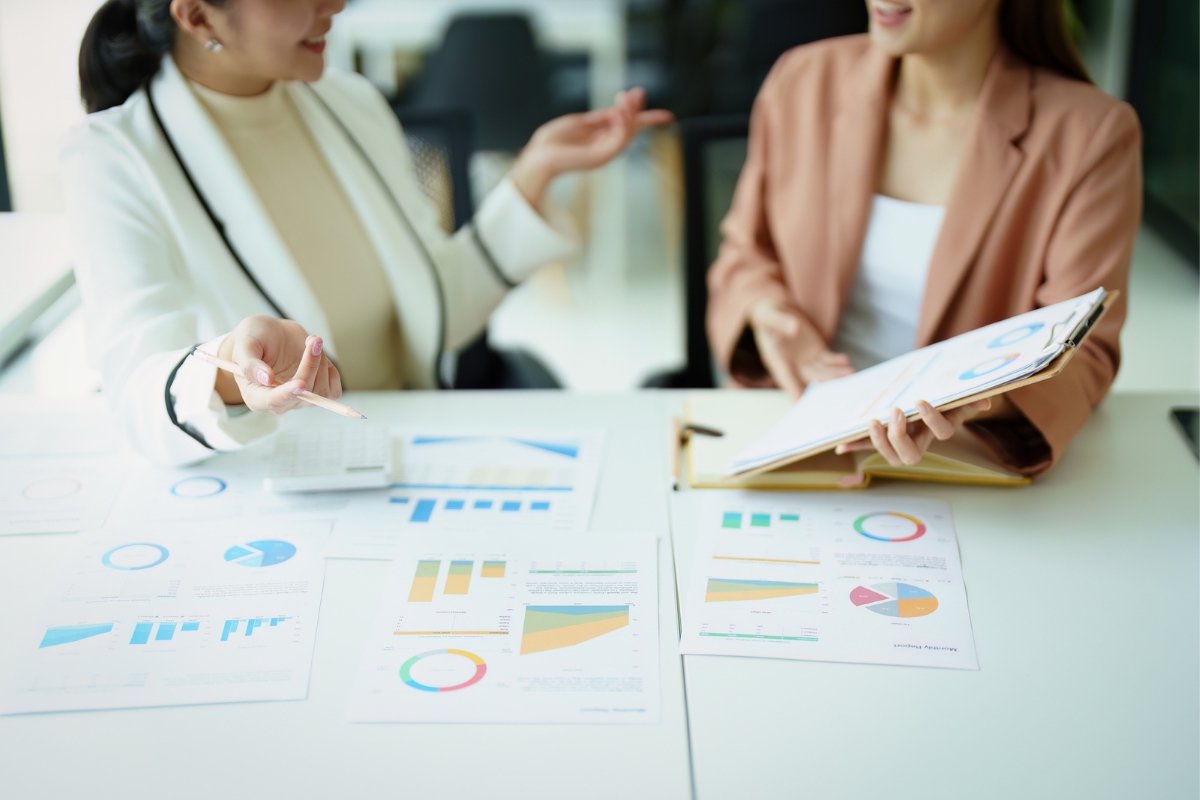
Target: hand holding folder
(980,364)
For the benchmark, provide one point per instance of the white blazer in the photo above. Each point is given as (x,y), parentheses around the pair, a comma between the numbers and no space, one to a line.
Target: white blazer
(157,279)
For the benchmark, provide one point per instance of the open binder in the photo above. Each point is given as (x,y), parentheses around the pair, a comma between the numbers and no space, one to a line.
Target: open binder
(771,445)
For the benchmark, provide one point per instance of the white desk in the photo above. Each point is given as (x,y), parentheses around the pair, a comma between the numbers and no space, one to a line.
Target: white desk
(35,270)
(1084,600)
(306,749)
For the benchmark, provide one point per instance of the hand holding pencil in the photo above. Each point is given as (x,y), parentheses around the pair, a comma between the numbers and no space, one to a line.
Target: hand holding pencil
(263,350)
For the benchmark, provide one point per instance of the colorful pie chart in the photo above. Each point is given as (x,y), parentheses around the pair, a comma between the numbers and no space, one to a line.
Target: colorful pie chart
(890,526)
(262,553)
(895,599)
(443,667)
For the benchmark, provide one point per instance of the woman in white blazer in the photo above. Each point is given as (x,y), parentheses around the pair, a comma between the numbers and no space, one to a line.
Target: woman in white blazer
(181,242)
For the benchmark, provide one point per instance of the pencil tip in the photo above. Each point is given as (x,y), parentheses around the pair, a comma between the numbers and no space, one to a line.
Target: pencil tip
(362,415)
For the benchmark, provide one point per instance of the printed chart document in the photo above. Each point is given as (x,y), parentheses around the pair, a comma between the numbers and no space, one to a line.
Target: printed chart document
(58,493)
(514,628)
(176,615)
(941,374)
(863,578)
(228,485)
(465,479)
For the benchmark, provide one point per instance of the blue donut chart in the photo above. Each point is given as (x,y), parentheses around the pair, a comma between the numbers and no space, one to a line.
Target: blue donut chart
(106,559)
(198,487)
(1016,335)
(988,367)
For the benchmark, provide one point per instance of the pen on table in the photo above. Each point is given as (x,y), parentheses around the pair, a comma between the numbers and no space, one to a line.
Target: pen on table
(306,396)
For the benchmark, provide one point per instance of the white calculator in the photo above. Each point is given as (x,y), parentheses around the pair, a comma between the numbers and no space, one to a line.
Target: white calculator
(330,458)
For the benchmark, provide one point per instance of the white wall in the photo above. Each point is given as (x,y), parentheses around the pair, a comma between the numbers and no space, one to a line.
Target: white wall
(39,93)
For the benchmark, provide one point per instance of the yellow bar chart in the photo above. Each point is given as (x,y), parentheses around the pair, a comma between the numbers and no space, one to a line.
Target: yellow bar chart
(459,579)
(424,581)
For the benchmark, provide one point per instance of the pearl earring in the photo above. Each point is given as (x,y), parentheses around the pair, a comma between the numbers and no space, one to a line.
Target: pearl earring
(213,46)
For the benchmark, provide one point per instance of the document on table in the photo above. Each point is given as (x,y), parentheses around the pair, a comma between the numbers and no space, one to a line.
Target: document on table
(975,362)
(58,493)
(56,428)
(185,614)
(865,578)
(227,485)
(473,479)
(514,628)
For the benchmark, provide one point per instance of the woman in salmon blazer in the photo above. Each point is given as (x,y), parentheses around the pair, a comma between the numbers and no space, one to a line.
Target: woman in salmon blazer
(950,169)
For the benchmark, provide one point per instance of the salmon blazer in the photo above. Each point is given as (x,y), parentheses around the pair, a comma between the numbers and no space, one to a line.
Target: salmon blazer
(1045,207)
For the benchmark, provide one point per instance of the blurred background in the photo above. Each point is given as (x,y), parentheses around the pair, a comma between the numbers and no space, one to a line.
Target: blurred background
(471,80)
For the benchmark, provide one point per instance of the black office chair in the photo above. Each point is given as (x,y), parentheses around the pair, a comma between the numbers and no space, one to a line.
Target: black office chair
(441,145)
(714,150)
(490,66)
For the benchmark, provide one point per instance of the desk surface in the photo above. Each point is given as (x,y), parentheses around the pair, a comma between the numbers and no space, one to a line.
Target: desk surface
(306,748)
(1084,601)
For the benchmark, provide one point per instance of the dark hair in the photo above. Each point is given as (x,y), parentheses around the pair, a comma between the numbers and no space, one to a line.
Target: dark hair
(1037,31)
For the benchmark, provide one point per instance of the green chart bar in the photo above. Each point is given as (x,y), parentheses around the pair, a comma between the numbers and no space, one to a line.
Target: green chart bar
(760,520)
(789,517)
(732,519)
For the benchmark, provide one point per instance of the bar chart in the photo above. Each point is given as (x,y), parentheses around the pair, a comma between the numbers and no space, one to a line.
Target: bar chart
(235,626)
(163,631)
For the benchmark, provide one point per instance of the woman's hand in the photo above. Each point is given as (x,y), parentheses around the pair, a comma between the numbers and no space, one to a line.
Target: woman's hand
(791,349)
(904,443)
(267,350)
(582,141)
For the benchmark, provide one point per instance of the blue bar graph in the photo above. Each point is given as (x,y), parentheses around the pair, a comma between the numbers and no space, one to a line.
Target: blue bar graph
(166,630)
(483,504)
(141,633)
(398,500)
(511,505)
(191,626)
(231,626)
(454,505)
(539,506)
(251,624)
(423,510)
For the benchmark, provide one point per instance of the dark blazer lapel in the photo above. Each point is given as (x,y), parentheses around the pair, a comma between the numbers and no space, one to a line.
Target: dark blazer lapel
(856,151)
(990,161)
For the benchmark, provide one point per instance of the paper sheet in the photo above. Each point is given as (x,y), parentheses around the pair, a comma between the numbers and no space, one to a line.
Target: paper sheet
(227,485)
(470,479)
(47,426)
(941,373)
(822,577)
(59,493)
(175,615)
(514,628)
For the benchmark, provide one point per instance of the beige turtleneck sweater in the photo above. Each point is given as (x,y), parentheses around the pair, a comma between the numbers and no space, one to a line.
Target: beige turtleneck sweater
(320,228)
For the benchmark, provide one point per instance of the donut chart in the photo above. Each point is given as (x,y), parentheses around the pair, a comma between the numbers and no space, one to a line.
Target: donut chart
(988,367)
(134,556)
(890,526)
(261,553)
(895,599)
(198,486)
(1016,335)
(406,670)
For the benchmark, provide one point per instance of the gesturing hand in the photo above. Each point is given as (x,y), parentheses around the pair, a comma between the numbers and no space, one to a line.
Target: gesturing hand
(904,443)
(791,349)
(269,349)
(582,141)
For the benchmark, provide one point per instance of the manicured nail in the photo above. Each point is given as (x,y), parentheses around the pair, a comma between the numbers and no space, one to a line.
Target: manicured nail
(316,348)
(263,378)
(299,389)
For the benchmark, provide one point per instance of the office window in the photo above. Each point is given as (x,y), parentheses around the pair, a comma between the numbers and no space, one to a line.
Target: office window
(1163,86)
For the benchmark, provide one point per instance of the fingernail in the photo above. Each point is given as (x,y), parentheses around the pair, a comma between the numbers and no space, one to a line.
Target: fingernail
(299,389)
(316,348)
(263,378)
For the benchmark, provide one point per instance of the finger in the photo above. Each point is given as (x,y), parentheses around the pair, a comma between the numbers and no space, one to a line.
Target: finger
(935,421)
(855,446)
(897,434)
(786,376)
(880,440)
(635,99)
(258,371)
(832,358)
(653,118)
(320,382)
(335,382)
(285,397)
(310,361)
(779,320)
(959,415)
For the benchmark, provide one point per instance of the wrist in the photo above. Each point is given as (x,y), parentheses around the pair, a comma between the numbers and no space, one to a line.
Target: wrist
(530,177)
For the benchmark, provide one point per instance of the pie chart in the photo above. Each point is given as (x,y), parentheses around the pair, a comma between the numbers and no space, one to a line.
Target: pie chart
(261,553)
(198,486)
(895,599)
(890,526)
